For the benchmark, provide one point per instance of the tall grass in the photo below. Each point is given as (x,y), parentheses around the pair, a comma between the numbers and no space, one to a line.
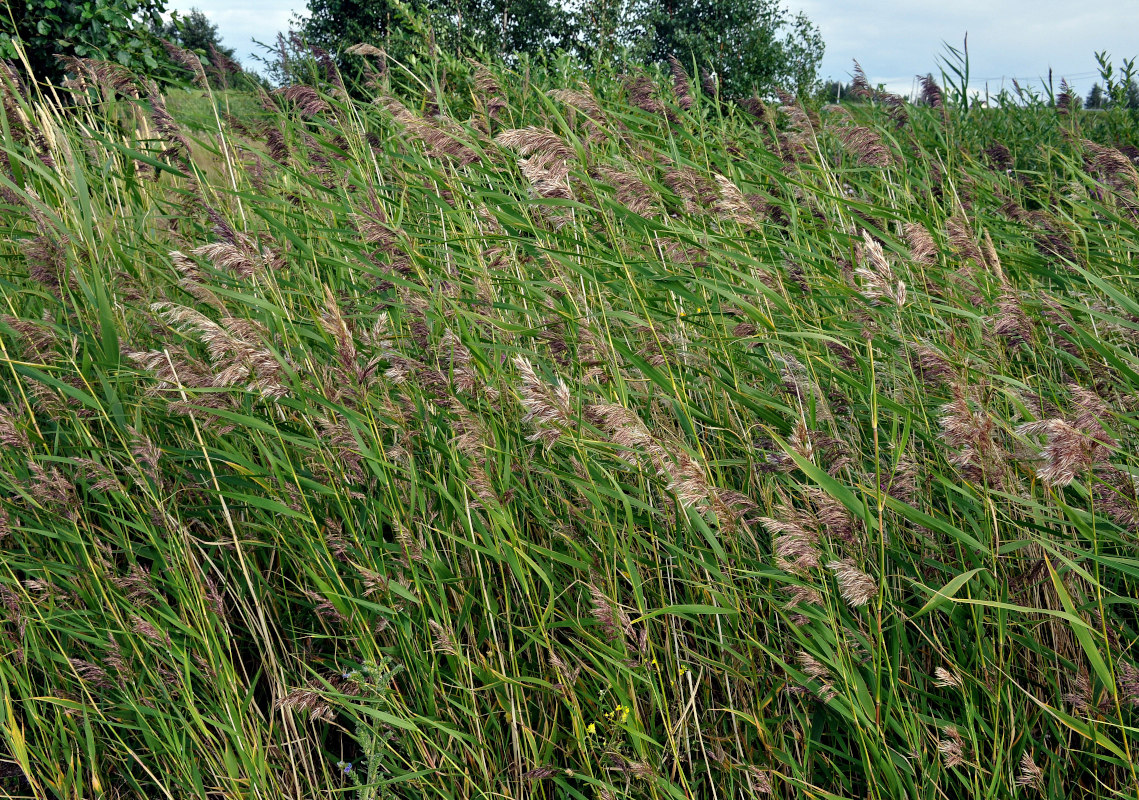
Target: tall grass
(509,437)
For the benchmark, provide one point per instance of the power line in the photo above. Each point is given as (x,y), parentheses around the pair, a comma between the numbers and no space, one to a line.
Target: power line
(1057,73)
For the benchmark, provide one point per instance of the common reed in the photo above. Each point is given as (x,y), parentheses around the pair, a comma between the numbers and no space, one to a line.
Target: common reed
(515,436)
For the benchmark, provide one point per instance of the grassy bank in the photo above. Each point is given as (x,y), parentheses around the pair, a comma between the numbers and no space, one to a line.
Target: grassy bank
(508,437)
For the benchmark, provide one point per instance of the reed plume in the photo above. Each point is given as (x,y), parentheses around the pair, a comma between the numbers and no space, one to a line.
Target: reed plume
(549,408)
(364,49)
(681,86)
(1112,166)
(952,748)
(1067,100)
(640,90)
(441,137)
(630,191)
(800,596)
(856,587)
(923,250)
(818,673)
(583,102)
(306,99)
(241,256)
(1010,322)
(865,145)
(527,141)
(308,700)
(931,94)
(861,89)
(236,349)
(489,92)
(474,440)
(11,435)
(878,280)
(92,674)
(756,108)
(110,76)
(709,83)
(222,66)
(1072,447)
(190,61)
(545,163)
(972,435)
(932,366)
(194,282)
(1030,774)
(165,124)
(946,678)
(795,547)
(695,191)
(732,204)
(613,619)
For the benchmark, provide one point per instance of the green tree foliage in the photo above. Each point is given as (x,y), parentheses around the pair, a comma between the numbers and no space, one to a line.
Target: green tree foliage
(194,32)
(832,91)
(501,27)
(113,29)
(607,30)
(1125,96)
(750,44)
(1095,97)
(1121,87)
(333,23)
(520,26)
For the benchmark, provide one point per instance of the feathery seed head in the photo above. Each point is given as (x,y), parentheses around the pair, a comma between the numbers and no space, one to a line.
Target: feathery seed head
(855,586)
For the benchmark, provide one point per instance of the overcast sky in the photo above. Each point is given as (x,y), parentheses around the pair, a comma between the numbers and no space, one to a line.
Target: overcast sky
(892,39)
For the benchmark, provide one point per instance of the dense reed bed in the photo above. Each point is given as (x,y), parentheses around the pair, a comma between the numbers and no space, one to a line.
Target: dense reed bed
(499,435)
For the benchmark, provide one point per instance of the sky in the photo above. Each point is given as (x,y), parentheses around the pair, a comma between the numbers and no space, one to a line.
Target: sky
(893,40)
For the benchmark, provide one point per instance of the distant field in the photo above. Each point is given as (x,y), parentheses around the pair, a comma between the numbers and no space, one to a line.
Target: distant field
(532,439)
(194,109)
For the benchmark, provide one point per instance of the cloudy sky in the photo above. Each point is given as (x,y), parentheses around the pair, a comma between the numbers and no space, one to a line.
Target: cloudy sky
(892,39)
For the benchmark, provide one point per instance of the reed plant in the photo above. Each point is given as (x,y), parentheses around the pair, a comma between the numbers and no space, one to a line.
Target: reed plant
(480,433)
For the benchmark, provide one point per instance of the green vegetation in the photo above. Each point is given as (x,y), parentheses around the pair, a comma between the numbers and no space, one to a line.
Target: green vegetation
(750,45)
(194,109)
(509,436)
(746,46)
(36,30)
(1120,89)
(494,26)
(194,32)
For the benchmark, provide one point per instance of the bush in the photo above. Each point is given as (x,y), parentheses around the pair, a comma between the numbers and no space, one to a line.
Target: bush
(111,29)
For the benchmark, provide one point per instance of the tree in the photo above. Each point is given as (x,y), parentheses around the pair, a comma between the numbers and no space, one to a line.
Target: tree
(194,32)
(331,24)
(606,29)
(1095,97)
(832,91)
(502,27)
(1124,91)
(751,45)
(523,26)
(117,30)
